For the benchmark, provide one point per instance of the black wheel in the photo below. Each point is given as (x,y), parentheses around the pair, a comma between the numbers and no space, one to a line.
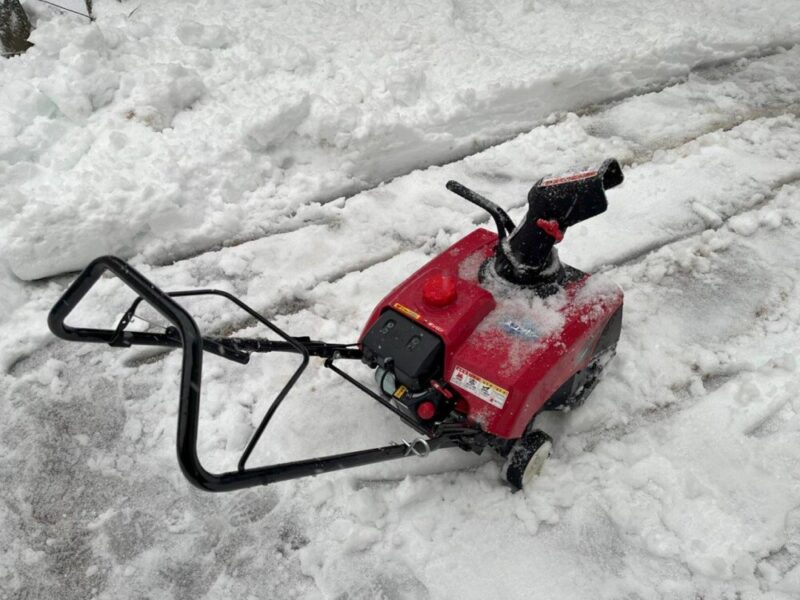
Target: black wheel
(526,458)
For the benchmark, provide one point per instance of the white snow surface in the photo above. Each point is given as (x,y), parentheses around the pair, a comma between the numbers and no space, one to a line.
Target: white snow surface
(184,127)
(164,129)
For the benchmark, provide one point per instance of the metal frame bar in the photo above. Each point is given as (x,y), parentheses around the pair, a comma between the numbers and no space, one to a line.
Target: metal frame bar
(185,334)
(505,226)
(383,401)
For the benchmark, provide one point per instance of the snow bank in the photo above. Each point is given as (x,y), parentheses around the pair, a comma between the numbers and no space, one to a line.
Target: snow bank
(168,130)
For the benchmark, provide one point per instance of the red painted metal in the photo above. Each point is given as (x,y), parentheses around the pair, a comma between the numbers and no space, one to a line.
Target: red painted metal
(551,228)
(503,366)
(426,410)
(440,289)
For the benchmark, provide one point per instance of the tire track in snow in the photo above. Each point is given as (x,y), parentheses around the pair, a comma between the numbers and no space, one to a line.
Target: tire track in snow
(317,211)
(290,221)
(635,254)
(722,221)
(295,218)
(645,154)
(640,154)
(293,298)
(716,70)
(332,223)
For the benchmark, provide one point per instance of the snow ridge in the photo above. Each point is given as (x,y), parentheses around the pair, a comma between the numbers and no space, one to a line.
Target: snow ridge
(181,133)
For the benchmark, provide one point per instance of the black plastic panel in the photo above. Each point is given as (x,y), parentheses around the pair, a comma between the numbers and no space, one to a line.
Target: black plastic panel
(414,353)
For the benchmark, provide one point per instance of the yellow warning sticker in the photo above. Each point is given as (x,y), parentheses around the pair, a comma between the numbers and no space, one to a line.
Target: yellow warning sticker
(478,386)
(406,311)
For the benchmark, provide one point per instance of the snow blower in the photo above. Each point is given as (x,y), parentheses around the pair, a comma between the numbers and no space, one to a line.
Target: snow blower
(466,351)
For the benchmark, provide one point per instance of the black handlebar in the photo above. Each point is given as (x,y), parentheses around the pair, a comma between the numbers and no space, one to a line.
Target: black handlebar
(185,334)
(502,221)
(190,339)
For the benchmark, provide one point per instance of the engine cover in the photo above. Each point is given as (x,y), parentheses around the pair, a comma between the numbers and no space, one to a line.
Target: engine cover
(405,348)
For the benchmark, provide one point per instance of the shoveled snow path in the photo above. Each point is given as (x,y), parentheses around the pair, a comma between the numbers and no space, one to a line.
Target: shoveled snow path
(678,479)
(180,128)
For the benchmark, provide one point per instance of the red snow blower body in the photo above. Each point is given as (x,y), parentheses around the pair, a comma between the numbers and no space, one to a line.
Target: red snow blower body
(466,351)
(503,366)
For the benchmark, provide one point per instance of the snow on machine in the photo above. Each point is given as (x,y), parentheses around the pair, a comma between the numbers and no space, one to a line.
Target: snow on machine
(466,351)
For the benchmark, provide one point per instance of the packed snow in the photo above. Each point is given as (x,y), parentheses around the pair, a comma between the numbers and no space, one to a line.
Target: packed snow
(240,149)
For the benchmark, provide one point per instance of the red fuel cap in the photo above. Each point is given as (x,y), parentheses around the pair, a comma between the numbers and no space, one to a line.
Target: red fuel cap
(439,290)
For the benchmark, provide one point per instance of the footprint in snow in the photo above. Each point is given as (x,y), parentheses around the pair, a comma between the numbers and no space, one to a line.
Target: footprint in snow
(250,507)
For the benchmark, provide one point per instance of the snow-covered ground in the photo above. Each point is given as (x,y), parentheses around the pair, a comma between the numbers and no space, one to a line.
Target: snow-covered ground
(205,125)
(680,478)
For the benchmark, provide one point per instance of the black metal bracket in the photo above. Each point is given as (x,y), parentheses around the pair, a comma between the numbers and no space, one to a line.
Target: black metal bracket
(184,333)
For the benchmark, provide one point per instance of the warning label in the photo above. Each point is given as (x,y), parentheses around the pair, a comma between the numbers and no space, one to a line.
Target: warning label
(478,386)
(406,311)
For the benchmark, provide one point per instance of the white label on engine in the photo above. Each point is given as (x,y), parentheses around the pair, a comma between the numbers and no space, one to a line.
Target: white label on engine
(478,386)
